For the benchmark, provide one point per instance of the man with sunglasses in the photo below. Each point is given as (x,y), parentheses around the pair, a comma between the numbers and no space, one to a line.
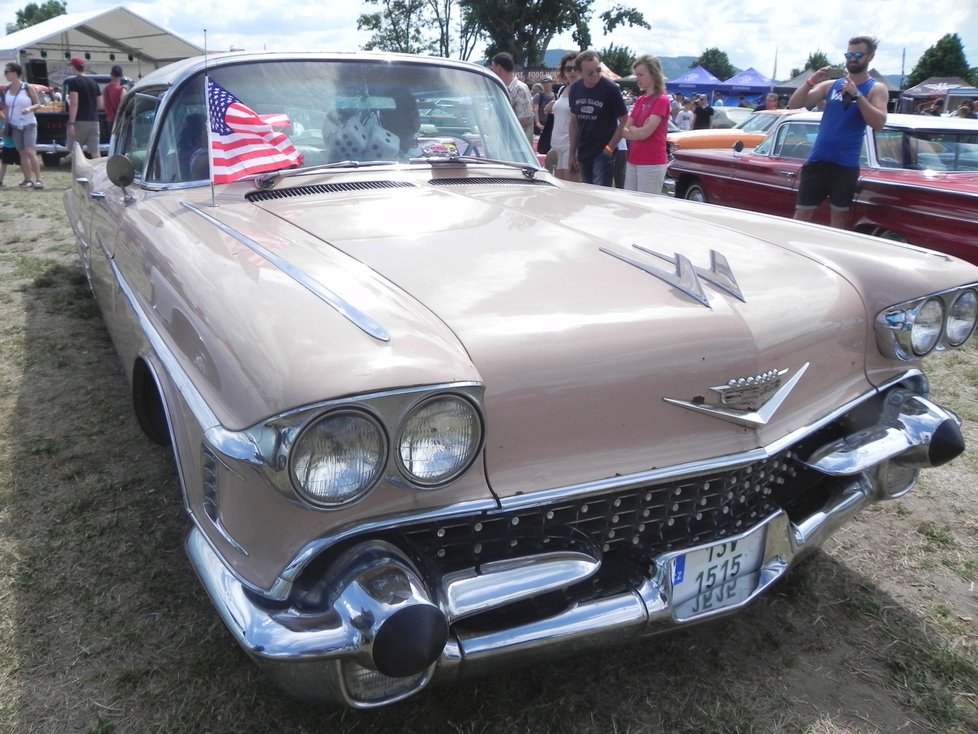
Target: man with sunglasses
(851,103)
(598,117)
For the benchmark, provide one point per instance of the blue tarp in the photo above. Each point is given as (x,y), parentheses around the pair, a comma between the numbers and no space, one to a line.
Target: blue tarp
(750,83)
(694,81)
(749,80)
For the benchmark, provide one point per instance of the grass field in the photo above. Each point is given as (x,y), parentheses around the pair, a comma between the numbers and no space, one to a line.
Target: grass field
(104,628)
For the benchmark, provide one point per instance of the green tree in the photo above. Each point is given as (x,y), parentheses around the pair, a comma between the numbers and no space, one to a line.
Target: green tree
(32,14)
(944,58)
(716,62)
(618,58)
(816,61)
(399,26)
(526,29)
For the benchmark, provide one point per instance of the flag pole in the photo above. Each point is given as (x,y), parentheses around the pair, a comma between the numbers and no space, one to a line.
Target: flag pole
(207,110)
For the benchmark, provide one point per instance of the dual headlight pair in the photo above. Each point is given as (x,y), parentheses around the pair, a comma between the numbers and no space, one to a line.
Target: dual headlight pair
(344,453)
(914,329)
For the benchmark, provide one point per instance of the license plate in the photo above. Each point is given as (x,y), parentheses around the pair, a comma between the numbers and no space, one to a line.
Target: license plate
(718,576)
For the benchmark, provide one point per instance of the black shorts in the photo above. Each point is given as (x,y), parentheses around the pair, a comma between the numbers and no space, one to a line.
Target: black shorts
(11,156)
(821,179)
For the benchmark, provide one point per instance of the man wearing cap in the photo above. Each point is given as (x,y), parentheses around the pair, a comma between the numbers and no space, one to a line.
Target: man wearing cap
(112,94)
(84,103)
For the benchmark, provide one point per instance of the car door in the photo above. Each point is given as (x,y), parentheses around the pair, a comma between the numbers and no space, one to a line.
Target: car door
(766,180)
(110,203)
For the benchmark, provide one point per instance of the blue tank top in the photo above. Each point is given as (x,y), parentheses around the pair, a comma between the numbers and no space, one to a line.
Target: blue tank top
(842,130)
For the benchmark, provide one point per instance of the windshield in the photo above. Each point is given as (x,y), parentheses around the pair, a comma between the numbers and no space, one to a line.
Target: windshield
(757,123)
(332,111)
(929,151)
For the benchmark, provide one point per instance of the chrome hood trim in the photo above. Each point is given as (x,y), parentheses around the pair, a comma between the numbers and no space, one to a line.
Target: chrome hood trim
(687,276)
(350,312)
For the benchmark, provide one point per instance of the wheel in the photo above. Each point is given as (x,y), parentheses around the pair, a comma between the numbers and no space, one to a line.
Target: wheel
(51,160)
(696,192)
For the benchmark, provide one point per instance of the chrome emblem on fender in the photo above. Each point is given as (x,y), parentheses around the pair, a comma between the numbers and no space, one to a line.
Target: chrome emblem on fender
(749,393)
(747,401)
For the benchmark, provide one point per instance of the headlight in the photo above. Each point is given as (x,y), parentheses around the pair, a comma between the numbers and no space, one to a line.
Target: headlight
(338,458)
(915,328)
(961,318)
(926,329)
(438,440)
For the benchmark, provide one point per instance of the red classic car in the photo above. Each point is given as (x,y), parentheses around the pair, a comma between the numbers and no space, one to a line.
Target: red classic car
(919,181)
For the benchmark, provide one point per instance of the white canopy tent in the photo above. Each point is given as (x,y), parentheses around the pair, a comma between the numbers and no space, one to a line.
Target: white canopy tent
(102,37)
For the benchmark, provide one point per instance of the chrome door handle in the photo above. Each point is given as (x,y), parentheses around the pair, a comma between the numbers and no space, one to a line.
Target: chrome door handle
(97,194)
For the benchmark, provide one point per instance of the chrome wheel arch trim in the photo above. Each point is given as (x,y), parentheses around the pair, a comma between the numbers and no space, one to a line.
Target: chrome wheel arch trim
(345,309)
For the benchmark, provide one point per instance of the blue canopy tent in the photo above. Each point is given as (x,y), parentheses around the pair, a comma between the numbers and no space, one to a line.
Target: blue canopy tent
(694,81)
(750,83)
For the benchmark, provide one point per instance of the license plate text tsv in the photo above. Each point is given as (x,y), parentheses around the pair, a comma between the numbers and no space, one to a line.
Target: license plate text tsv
(717,576)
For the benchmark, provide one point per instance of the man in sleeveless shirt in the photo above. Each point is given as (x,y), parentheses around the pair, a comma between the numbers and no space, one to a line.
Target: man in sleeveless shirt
(851,103)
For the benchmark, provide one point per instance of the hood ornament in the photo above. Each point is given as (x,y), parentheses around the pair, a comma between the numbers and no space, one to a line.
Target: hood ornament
(747,401)
(686,276)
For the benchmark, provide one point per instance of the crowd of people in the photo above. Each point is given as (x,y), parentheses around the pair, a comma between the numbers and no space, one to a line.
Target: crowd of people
(19,101)
(589,126)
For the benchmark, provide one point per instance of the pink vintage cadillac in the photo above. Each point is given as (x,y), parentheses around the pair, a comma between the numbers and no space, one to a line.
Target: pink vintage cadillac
(435,411)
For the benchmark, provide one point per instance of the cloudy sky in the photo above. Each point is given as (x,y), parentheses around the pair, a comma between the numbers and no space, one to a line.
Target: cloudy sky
(757,33)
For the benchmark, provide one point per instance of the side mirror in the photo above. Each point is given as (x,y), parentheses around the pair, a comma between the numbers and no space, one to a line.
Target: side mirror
(120,171)
(738,146)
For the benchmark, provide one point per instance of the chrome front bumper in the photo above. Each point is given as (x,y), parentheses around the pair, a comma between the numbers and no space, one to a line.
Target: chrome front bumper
(387,631)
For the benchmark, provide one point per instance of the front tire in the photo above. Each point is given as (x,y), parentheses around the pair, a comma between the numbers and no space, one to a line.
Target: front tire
(51,160)
(696,192)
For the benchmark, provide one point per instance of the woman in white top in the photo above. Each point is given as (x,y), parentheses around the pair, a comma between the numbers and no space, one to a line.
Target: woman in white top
(19,103)
(560,108)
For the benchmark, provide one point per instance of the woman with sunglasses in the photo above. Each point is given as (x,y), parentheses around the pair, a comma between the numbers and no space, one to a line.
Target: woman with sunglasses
(19,103)
(567,74)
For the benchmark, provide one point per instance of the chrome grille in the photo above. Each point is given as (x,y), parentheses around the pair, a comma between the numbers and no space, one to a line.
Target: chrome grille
(647,520)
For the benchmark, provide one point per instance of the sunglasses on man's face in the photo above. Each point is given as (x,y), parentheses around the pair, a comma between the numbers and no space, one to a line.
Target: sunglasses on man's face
(854,55)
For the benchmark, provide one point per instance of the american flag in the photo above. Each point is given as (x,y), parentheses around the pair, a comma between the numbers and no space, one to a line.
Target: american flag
(244,142)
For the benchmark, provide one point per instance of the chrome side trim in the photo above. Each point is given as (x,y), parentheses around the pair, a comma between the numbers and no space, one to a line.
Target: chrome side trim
(345,309)
(499,583)
(195,401)
(204,416)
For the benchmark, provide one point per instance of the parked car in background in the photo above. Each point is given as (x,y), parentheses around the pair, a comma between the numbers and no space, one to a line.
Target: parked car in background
(436,413)
(751,132)
(727,117)
(52,126)
(918,184)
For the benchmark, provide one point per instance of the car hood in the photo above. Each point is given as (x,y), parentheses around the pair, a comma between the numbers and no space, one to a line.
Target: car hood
(578,348)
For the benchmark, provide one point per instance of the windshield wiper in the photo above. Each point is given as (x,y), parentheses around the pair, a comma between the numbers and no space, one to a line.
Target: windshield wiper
(528,171)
